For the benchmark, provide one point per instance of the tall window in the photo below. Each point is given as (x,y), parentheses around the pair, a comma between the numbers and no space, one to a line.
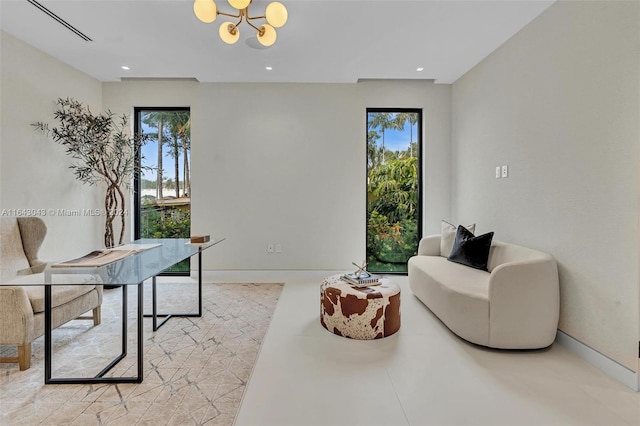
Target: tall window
(394,140)
(162,193)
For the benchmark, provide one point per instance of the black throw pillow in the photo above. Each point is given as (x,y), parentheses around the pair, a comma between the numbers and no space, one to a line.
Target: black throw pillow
(470,250)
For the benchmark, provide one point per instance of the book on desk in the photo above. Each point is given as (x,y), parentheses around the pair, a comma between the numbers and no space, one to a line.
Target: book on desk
(105,256)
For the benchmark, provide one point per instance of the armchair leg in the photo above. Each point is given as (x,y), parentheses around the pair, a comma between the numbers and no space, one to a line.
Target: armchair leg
(23,359)
(24,356)
(97,315)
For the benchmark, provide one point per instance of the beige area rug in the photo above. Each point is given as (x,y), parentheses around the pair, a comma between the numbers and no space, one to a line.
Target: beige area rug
(195,369)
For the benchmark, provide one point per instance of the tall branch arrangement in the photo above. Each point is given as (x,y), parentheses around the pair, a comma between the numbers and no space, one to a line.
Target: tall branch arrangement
(102,151)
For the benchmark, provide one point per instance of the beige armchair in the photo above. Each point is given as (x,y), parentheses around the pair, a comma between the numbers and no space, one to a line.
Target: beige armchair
(22,299)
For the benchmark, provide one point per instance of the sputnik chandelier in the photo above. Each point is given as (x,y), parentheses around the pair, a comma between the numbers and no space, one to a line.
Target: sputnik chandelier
(275,15)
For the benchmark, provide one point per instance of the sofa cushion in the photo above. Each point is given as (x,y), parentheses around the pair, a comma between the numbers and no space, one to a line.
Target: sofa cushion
(456,294)
(11,250)
(470,250)
(460,279)
(448,236)
(61,294)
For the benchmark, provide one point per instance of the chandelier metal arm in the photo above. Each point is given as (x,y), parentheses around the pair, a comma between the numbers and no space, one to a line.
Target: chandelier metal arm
(239,15)
(242,13)
(250,18)
(254,27)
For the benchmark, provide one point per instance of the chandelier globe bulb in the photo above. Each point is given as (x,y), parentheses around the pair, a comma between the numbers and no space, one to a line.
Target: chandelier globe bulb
(267,35)
(229,33)
(239,4)
(205,10)
(276,14)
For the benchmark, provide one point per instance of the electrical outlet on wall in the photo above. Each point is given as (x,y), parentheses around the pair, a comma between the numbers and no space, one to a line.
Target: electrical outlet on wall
(278,248)
(505,171)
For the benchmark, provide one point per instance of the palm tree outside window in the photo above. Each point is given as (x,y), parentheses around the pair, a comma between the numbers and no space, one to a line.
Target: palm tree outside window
(162,190)
(394,191)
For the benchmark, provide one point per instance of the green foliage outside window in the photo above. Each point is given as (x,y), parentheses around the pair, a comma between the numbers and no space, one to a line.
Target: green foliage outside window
(393,201)
(392,195)
(166,223)
(172,223)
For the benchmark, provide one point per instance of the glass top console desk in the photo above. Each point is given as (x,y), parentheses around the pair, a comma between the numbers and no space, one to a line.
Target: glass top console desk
(131,270)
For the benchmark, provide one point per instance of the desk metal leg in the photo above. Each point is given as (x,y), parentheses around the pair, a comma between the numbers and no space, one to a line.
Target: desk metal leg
(154,308)
(154,304)
(140,333)
(47,333)
(199,283)
(98,377)
(125,305)
(167,317)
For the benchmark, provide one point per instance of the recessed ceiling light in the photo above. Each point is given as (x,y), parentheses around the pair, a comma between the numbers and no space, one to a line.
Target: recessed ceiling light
(124,67)
(269,68)
(420,69)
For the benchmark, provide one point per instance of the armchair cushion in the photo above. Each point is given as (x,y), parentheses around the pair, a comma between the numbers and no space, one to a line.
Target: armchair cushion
(79,285)
(61,294)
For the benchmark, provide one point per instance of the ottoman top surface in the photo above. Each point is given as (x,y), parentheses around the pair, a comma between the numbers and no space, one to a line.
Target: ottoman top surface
(385,289)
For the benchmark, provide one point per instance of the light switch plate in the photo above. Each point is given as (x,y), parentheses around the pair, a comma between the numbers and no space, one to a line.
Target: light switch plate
(498,172)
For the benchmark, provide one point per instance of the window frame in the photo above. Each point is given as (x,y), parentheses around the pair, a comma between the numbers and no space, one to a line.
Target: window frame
(420,146)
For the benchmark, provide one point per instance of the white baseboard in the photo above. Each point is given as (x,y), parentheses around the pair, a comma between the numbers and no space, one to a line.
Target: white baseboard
(607,365)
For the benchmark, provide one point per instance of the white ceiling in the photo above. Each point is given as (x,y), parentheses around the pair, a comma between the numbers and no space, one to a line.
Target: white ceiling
(323,41)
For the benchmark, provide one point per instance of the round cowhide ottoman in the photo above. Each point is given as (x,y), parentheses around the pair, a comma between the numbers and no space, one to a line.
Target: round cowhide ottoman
(360,313)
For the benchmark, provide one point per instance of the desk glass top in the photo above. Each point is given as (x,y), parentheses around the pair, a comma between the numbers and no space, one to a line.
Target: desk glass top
(134,268)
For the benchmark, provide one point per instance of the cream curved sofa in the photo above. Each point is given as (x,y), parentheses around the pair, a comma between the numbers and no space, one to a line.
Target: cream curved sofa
(515,305)
(22,299)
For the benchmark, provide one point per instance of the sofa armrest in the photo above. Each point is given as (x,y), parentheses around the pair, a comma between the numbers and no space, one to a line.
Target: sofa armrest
(429,246)
(523,293)
(16,316)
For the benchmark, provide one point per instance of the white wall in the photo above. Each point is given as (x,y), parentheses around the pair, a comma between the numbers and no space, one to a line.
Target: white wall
(285,164)
(34,171)
(560,104)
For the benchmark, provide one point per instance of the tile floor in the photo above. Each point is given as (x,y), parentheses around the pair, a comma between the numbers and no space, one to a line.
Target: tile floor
(422,375)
